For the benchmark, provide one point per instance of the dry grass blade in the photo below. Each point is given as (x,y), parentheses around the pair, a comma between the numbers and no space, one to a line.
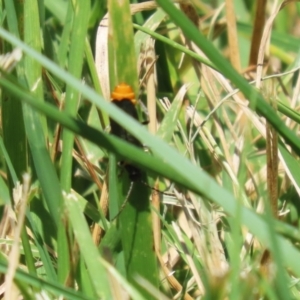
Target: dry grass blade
(149,60)
(155,197)
(97,230)
(266,263)
(9,60)
(20,199)
(234,52)
(191,13)
(259,23)
(272,158)
(264,41)
(171,279)
(189,259)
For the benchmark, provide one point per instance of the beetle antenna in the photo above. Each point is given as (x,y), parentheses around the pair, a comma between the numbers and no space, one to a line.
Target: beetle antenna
(155,189)
(125,201)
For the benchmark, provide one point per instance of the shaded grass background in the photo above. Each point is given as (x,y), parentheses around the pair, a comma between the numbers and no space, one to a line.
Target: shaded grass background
(220,241)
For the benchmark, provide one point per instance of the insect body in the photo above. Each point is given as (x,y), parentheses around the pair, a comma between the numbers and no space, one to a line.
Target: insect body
(123,97)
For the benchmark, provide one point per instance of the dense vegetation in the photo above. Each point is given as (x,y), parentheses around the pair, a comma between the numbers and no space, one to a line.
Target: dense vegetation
(195,198)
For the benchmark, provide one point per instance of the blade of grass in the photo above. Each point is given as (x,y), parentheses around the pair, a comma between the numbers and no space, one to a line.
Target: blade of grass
(91,63)
(257,33)
(232,35)
(78,13)
(9,163)
(114,206)
(168,126)
(79,31)
(63,48)
(83,279)
(41,246)
(30,73)
(11,114)
(122,57)
(42,161)
(98,275)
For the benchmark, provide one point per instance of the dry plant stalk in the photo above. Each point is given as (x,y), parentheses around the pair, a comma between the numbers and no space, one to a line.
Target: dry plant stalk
(265,41)
(272,177)
(189,258)
(156,226)
(234,52)
(272,161)
(149,65)
(171,279)
(97,230)
(188,9)
(271,140)
(259,23)
(20,195)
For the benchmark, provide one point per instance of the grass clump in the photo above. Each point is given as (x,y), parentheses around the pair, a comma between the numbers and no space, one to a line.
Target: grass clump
(217,85)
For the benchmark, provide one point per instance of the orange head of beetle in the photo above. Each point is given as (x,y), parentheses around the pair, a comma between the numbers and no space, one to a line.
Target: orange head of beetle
(123,91)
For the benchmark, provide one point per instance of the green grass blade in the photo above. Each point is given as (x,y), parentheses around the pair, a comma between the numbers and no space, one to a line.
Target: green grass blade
(122,57)
(79,31)
(11,114)
(78,13)
(41,246)
(62,52)
(8,162)
(98,274)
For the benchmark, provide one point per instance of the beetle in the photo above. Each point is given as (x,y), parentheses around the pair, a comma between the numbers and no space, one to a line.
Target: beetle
(124,98)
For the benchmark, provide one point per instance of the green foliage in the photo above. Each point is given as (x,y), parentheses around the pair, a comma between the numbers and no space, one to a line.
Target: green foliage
(212,234)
